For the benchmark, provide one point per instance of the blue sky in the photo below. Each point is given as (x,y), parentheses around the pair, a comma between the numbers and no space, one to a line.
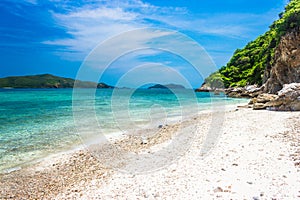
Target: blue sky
(55,36)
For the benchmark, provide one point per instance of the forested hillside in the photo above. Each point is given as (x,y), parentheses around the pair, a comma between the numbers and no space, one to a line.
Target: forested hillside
(251,64)
(46,81)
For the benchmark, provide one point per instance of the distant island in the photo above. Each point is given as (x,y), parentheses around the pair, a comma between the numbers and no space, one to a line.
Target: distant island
(46,81)
(168,86)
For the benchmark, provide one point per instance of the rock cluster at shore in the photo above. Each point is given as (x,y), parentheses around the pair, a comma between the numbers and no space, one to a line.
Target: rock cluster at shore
(287,99)
(249,91)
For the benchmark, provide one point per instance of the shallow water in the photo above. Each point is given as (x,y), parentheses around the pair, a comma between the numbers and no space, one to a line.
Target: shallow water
(37,122)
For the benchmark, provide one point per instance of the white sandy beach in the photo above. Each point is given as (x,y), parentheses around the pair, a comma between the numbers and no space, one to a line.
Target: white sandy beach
(256,157)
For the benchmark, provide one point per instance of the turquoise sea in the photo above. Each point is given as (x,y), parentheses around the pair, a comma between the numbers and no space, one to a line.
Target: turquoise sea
(37,122)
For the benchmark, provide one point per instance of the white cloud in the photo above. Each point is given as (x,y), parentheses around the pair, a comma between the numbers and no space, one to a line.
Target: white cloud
(90,24)
(234,25)
(31,1)
(94,24)
(103,13)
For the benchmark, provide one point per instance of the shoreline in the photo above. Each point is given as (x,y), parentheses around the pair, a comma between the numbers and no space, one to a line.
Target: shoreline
(78,174)
(111,137)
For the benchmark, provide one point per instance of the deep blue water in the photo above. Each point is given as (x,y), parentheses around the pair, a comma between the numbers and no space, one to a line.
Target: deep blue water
(37,122)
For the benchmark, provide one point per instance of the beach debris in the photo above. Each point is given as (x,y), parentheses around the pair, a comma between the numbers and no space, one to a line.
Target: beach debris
(160,126)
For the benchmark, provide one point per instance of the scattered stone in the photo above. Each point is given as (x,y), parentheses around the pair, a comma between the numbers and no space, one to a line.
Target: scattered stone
(144,141)
(218,189)
(261,194)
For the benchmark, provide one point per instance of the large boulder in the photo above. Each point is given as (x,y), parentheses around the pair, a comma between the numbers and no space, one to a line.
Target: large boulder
(289,95)
(291,91)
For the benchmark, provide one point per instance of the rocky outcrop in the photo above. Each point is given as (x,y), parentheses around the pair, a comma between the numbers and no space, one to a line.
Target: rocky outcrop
(206,88)
(249,91)
(286,63)
(283,77)
(103,85)
(262,101)
(287,99)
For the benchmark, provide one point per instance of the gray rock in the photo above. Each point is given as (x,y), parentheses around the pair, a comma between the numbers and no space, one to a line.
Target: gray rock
(291,91)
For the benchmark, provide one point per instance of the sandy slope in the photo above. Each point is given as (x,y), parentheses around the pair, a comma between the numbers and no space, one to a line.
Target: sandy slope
(250,160)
